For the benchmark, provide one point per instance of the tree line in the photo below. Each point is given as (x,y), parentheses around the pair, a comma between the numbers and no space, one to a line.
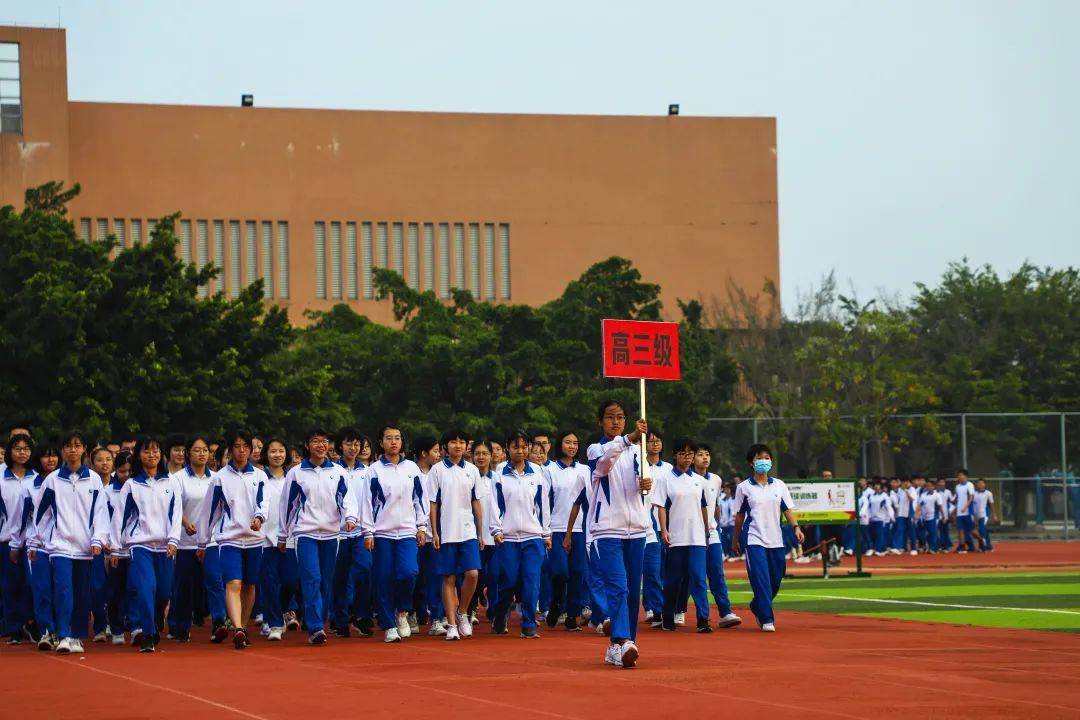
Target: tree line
(117,340)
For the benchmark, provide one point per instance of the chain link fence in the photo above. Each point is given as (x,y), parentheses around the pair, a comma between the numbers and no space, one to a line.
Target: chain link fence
(1030,461)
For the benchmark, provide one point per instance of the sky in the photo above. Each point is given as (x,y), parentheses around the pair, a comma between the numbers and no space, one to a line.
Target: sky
(909,134)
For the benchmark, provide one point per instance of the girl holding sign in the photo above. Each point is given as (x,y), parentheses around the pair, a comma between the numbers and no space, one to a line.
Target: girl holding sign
(763,499)
(619,522)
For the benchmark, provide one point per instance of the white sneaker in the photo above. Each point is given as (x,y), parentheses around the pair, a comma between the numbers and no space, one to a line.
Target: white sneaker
(64,646)
(392,636)
(802,560)
(77,647)
(403,629)
(452,633)
(258,619)
(629,654)
(275,633)
(680,618)
(868,553)
(135,636)
(562,619)
(101,637)
(649,616)
(848,552)
(613,656)
(464,626)
(414,624)
(118,639)
(729,620)
(913,552)
(473,619)
(768,627)
(586,613)
(438,627)
(894,551)
(264,630)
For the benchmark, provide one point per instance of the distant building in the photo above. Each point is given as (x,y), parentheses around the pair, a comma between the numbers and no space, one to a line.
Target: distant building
(511,207)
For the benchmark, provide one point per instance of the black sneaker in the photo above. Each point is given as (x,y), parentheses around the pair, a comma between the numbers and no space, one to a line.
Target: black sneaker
(498,625)
(553,616)
(571,624)
(14,639)
(146,643)
(219,633)
(365,627)
(317,638)
(240,639)
(182,637)
(530,633)
(703,626)
(342,632)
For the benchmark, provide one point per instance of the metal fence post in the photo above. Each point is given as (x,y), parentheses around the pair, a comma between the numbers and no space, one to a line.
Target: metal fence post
(963,440)
(755,431)
(1064,482)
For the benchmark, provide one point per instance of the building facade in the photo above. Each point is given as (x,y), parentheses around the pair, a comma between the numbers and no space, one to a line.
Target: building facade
(511,207)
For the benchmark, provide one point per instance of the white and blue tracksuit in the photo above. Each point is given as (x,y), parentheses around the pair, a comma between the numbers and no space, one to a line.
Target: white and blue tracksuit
(315,504)
(982,503)
(235,498)
(38,570)
(393,512)
(879,506)
(762,507)
(567,571)
(271,568)
(618,523)
(146,523)
(352,569)
(522,520)
(16,601)
(904,529)
(965,517)
(652,578)
(714,552)
(682,497)
(71,520)
(190,573)
(948,504)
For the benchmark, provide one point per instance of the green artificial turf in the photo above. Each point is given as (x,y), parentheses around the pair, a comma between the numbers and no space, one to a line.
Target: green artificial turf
(1042,601)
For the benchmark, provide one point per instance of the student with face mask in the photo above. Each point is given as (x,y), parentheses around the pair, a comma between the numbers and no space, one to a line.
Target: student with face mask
(763,499)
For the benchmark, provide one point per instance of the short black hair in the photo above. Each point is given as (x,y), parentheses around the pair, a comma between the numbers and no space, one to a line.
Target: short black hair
(143,441)
(755,449)
(346,434)
(962,471)
(605,405)
(232,436)
(71,435)
(517,435)
(173,440)
(453,434)
(705,447)
(421,444)
(655,431)
(681,443)
(122,458)
(18,437)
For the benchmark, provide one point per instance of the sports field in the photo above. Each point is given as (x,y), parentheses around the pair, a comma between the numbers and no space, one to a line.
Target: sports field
(1034,601)
(840,651)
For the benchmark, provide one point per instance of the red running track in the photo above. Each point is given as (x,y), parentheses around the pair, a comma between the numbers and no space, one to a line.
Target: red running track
(815,666)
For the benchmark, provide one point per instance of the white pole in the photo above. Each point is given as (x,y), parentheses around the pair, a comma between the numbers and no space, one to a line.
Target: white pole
(646,471)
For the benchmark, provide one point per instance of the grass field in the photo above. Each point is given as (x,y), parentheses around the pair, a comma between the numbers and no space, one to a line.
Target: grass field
(1033,601)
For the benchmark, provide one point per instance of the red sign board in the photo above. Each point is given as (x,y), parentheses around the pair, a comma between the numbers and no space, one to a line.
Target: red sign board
(641,349)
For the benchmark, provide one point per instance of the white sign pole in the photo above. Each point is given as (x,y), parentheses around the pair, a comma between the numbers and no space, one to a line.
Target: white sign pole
(646,470)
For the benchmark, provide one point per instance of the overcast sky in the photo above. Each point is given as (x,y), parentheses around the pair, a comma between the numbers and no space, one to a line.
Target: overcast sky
(910,134)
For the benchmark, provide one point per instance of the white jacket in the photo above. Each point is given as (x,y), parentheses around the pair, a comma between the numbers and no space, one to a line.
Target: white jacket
(12,501)
(147,513)
(522,508)
(565,482)
(235,498)
(393,507)
(354,476)
(315,502)
(72,516)
(23,533)
(193,490)
(619,510)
